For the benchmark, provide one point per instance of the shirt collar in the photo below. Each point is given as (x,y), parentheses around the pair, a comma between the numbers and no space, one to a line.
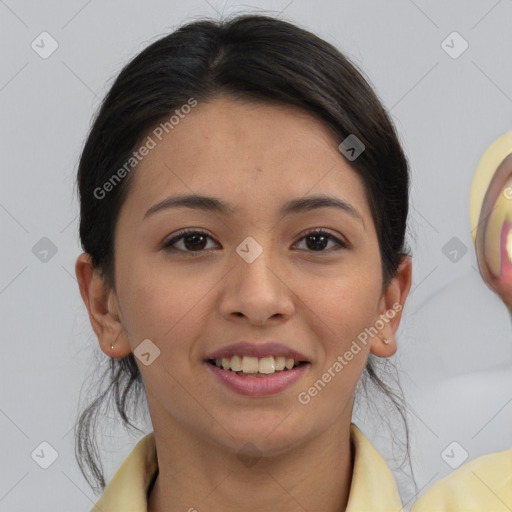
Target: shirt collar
(373,486)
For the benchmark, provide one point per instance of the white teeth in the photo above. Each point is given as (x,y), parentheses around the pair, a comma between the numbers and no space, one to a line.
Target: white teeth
(236,363)
(250,364)
(267,365)
(280,363)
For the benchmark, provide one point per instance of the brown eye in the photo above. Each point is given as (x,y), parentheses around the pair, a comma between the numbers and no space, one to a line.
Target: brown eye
(193,241)
(317,240)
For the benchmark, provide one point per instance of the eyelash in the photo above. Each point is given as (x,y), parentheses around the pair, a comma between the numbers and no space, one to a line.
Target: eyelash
(188,232)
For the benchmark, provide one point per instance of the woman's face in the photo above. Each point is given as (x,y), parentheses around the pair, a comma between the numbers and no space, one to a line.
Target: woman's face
(252,276)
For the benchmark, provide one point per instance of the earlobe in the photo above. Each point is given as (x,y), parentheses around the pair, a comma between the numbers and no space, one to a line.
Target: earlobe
(101,304)
(383,346)
(390,311)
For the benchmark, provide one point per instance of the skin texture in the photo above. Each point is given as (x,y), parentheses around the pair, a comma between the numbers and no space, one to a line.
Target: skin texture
(256,156)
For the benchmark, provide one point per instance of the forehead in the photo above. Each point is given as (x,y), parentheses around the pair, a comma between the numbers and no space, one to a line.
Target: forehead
(247,152)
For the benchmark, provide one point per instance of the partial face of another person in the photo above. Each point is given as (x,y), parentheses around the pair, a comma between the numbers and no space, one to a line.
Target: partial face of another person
(253,271)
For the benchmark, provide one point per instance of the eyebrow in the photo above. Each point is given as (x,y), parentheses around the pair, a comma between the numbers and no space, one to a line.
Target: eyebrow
(294,206)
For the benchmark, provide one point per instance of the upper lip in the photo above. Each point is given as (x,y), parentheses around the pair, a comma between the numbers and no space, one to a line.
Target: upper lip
(259,349)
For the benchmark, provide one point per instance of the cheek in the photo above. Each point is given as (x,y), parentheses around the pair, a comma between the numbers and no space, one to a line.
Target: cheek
(171,307)
(342,311)
(345,306)
(156,305)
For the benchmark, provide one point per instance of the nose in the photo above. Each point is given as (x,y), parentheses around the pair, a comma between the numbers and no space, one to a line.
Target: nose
(256,290)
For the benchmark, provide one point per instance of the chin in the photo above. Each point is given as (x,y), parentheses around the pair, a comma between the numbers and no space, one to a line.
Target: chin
(268,436)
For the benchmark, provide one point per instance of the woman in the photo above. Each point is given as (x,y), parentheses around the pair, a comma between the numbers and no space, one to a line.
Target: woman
(244,199)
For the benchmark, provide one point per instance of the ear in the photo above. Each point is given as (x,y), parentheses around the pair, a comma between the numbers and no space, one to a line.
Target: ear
(102,306)
(390,309)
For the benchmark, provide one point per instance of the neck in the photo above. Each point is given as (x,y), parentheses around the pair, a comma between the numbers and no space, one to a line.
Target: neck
(197,475)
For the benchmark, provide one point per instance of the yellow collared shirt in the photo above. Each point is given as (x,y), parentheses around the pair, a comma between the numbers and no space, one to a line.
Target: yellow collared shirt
(373,486)
(483,484)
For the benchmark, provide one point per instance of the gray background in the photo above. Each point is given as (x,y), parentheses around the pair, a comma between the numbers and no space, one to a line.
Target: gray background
(455,344)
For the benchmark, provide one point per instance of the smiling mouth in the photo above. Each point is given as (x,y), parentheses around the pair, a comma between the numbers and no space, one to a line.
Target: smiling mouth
(248,366)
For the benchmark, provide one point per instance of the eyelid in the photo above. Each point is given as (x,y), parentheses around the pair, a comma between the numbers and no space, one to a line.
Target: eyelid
(333,235)
(182,233)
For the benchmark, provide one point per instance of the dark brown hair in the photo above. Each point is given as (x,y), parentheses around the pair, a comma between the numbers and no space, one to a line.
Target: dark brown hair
(251,57)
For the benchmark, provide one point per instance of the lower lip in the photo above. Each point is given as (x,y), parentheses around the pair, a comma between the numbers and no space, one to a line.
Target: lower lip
(259,386)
